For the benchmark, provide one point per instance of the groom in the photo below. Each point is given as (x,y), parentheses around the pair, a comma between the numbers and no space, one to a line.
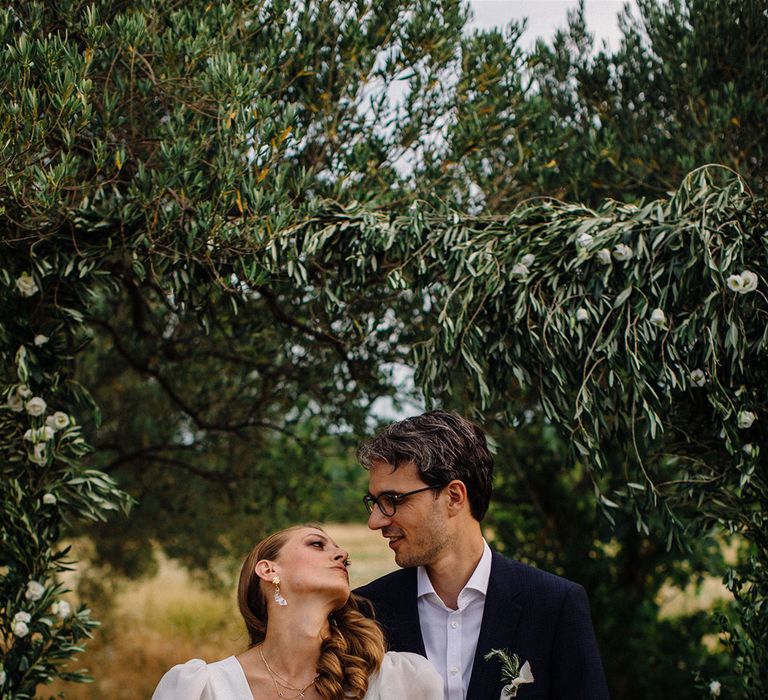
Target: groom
(455,599)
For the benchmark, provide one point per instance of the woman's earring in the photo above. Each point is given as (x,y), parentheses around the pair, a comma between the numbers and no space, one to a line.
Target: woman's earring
(278,597)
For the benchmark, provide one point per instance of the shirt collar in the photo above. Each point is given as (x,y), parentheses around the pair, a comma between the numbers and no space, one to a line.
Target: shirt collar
(478,581)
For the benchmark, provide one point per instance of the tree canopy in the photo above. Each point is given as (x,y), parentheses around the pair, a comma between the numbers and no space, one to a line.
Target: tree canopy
(221,228)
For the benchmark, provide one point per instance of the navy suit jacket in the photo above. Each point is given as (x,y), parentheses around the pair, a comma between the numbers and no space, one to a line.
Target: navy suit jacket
(542,618)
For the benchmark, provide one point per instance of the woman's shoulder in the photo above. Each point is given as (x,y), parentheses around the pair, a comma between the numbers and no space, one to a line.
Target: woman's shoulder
(403,674)
(198,680)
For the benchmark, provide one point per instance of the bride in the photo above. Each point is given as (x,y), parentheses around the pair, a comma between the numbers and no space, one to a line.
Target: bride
(308,639)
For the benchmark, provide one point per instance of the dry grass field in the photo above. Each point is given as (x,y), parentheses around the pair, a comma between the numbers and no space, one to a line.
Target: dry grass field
(169,619)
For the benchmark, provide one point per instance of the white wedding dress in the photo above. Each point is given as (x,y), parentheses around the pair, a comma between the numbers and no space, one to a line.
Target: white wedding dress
(403,676)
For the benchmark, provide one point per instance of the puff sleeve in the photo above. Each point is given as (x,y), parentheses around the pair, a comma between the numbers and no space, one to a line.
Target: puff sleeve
(405,675)
(187,681)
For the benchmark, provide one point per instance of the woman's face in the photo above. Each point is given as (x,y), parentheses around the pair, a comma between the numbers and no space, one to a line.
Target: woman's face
(310,562)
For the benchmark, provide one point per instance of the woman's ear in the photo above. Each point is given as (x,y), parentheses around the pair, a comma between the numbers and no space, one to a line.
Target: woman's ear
(266,570)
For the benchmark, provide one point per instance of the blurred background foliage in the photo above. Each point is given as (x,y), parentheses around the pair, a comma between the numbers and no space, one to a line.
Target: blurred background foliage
(197,131)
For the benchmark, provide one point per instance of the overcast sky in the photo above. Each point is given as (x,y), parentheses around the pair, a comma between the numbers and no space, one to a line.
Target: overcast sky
(545,16)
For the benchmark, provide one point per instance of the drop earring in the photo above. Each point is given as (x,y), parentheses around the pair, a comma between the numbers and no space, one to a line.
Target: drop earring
(278,596)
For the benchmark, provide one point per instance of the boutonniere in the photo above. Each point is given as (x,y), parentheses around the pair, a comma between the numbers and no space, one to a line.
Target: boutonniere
(512,673)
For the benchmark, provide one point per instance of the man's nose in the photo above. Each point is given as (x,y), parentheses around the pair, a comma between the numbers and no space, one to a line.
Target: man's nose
(377,519)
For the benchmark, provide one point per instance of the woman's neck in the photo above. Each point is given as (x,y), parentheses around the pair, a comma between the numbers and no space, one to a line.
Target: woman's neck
(293,641)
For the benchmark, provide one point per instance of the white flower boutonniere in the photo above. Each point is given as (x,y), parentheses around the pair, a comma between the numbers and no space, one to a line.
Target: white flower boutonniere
(512,673)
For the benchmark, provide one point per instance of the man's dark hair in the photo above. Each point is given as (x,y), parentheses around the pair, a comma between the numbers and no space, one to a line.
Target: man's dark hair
(444,446)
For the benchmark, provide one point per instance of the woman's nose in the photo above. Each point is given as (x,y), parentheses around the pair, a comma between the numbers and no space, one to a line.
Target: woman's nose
(341,554)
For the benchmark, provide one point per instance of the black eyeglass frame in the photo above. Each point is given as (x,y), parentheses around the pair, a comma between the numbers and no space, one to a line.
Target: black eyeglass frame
(396,498)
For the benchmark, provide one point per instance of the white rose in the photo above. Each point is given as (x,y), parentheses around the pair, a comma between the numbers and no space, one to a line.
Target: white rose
(23,391)
(35,590)
(2,677)
(604,256)
(744,283)
(746,418)
(39,434)
(62,609)
(20,629)
(15,402)
(658,318)
(57,421)
(519,271)
(39,454)
(750,450)
(528,259)
(748,282)
(584,240)
(35,406)
(714,688)
(22,616)
(582,315)
(49,499)
(26,285)
(698,378)
(622,252)
(41,339)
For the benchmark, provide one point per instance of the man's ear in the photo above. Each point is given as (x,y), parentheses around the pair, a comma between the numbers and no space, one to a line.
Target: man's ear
(457,496)
(266,570)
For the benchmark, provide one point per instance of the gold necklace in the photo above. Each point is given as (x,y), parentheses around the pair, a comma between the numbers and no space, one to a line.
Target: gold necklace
(283,683)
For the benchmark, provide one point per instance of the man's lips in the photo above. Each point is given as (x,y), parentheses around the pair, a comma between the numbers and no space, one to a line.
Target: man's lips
(394,540)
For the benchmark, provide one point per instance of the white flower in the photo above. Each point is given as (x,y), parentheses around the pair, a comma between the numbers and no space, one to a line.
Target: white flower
(35,591)
(40,339)
(714,688)
(57,421)
(528,259)
(39,454)
(2,676)
(582,315)
(20,629)
(49,499)
(750,450)
(658,318)
(26,285)
(744,283)
(604,256)
(39,434)
(519,271)
(622,252)
(584,240)
(35,406)
(22,616)
(23,391)
(62,609)
(15,402)
(698,378)
(746,418)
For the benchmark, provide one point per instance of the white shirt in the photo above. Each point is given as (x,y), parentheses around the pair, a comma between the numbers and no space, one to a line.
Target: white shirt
(450,636)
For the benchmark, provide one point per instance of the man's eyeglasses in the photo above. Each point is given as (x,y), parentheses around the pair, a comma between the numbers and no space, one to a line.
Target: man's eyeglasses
(388,502)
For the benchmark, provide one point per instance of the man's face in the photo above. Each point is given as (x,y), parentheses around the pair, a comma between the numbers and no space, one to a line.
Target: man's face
(418,531)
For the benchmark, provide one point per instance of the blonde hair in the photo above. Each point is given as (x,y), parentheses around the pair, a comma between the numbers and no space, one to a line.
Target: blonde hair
(349,655)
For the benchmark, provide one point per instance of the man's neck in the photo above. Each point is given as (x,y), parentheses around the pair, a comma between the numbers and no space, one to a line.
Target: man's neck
(450,573)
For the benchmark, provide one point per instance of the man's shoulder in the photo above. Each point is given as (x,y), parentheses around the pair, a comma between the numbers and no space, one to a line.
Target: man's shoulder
(388,585)
(529,577)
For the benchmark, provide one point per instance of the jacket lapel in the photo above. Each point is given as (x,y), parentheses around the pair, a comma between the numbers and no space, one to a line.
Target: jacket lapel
(501,616)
